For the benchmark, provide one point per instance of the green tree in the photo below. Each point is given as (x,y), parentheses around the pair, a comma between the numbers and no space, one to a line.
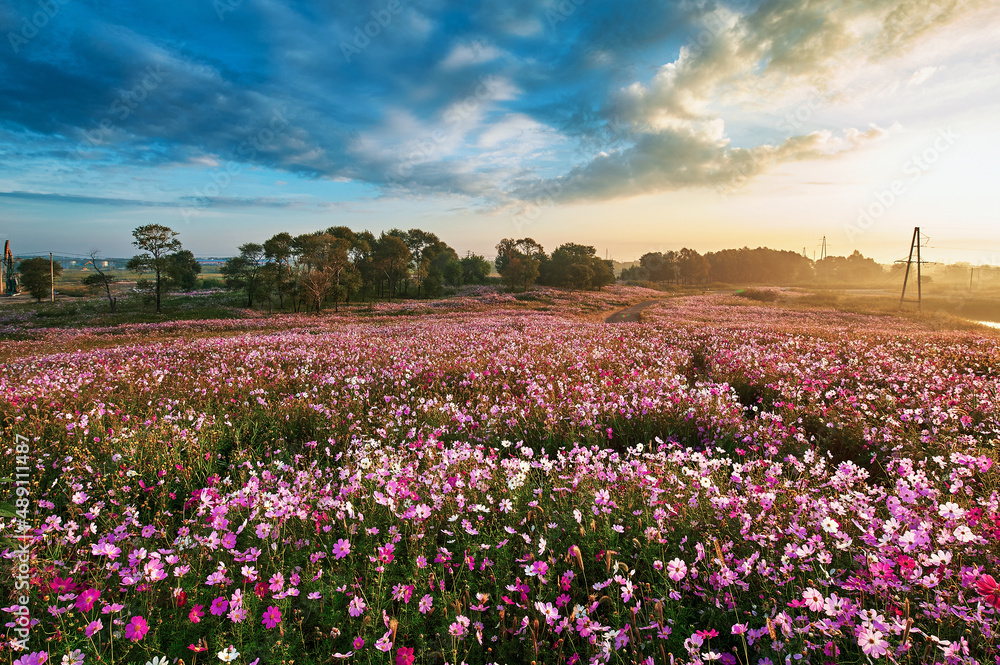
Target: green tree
(245,272)
(475,269)
(36,276)
(280,254)
(158,242)
(578,267)
(392,261)
(327,261)
(183,270)
(519,261)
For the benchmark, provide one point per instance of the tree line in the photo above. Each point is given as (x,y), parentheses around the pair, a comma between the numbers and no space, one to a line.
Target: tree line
(335,265)
(745,265)
(307,271)
(523,262)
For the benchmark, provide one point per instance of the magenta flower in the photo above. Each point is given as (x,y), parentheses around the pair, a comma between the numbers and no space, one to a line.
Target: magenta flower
(196,613)
(341,548)
(358,642)
(36,658)
(538,568)
(272,617)
(93,627)
(219,606)
(989,590)
(136,629)
(404,656)
(60,585)
(85,602)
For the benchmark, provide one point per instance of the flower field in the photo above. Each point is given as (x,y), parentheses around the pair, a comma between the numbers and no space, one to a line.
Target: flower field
(495,479)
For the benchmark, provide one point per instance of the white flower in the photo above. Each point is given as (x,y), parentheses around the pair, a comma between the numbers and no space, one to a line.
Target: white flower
(964,534)
(951,511)
(229,654)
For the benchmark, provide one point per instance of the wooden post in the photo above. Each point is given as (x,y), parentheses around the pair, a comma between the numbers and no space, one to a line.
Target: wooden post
(52,279)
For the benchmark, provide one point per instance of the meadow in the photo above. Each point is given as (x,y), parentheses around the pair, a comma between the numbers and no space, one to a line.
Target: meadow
(503,478)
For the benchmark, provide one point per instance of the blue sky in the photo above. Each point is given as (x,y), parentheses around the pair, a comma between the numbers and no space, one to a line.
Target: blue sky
(631,126)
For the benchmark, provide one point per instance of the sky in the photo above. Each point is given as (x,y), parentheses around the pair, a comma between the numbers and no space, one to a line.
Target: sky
(632,126)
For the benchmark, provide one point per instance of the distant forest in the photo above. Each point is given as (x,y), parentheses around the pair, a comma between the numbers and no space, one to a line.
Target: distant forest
(754,266)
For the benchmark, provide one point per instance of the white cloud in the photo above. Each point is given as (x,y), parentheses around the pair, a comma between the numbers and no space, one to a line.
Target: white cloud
(464,55)
(922,75)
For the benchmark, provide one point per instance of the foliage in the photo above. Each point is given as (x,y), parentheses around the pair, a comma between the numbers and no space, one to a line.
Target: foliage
(36,276)
(246,272)
(158,242)
(183,270)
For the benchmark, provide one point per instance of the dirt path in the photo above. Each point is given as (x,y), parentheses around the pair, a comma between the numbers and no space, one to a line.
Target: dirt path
(630,313)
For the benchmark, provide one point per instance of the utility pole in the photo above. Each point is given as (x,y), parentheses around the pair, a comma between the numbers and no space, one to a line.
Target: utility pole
(971,273)
(822,254)
(914,247)
(52,279)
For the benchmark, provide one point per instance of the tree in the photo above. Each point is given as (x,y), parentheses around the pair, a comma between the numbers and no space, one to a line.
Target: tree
(326,260)
(475,269)
(279,252)
(183,270)
(244,272)
(518,261)
(36,276)
(520,271)
(101,279)
(578,267)
(693,267)
(392,260)
(158,242)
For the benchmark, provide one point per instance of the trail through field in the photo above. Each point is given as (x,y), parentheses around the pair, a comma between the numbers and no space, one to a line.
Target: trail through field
(630,313)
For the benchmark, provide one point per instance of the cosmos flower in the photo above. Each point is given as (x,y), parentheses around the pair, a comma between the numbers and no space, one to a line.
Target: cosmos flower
(136,628)
(272,617)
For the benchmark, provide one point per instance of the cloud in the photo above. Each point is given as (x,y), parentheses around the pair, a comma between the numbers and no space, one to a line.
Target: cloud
(669,132)
(689,157)
(113,90)
(922,75)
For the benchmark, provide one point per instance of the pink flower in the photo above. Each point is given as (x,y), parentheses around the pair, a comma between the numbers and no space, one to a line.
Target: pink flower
(341,548)
(219,606)
(196,613)
(36,658)
(93,627)
(425,604)
(676,570)
(136,629)
(357,606)
(404,656)
(813,599)
(60,585)
(85,602)
(871,642)
(272,617)
(538,568)
(358,642)
(989,590)
(384,643)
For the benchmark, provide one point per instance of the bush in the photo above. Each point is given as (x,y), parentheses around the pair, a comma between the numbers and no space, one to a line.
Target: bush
(760,295)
